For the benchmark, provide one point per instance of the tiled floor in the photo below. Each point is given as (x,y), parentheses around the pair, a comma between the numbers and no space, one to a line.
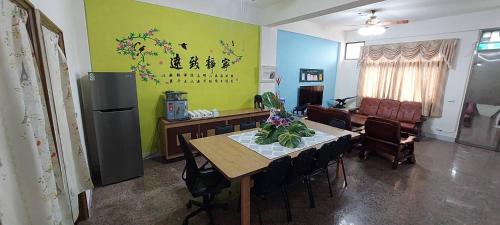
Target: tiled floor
(450,184)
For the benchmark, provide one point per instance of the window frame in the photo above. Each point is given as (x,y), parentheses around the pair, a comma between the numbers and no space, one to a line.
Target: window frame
(348,43)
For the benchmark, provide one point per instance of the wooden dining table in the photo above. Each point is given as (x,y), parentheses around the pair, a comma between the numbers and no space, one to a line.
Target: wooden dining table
(238,163)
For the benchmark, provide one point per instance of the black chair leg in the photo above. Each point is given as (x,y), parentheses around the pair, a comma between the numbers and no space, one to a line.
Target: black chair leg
(258,213)
(210,217)
(310,193)
(343,172)
(194,213)
(287,205)
(329,184)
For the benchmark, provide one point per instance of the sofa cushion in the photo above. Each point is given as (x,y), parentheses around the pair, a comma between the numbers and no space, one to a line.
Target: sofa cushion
(388,109)
(408,127)
(358,119)
(369,106)
(410,112)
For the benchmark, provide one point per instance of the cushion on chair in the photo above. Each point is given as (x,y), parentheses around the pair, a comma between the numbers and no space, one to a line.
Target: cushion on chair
(388,109)
(358,119)
(410,112)
(369,106)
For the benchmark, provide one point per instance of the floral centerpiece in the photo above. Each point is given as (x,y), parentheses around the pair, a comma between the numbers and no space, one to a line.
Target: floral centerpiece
(281,126)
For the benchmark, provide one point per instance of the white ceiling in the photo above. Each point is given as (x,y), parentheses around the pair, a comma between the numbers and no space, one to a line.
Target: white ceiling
(260,3)
(413,10)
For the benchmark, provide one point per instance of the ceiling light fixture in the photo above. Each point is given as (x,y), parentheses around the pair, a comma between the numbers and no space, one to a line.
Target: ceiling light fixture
(370,30)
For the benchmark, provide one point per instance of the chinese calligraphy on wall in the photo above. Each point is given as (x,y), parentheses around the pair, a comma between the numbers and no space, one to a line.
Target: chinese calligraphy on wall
(142,48)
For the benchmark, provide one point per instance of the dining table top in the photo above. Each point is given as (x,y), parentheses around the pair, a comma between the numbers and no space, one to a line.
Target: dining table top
(235,160)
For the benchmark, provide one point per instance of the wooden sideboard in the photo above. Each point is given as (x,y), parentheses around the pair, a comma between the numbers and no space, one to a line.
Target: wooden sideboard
(198,128)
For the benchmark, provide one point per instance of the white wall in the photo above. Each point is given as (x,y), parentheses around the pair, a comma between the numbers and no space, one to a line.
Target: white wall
(69,16)
(268,43)
(464,27)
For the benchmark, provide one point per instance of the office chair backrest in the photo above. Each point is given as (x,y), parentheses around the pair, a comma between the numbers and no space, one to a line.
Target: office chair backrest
(303,163)
(323,156)
(338,123)
(274,175)
(247,125)
(224,129)
(191,171)
(341,146)
(257,102)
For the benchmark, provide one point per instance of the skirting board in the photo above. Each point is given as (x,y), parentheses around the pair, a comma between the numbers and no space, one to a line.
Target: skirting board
(439,137)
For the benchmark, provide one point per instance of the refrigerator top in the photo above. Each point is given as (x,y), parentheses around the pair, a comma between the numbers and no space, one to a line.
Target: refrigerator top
(112,90)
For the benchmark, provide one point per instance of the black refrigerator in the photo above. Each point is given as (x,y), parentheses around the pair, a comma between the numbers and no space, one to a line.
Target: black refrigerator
(111,122)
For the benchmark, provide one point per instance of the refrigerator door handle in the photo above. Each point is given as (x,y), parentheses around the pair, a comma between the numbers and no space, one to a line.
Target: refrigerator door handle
(116,110)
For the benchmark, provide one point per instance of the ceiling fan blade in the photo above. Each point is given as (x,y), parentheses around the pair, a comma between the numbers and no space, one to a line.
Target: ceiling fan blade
(393,22)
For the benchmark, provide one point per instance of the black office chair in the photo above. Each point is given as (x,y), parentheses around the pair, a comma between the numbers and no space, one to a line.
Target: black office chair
(301,169)
(341,146)
(206,183)
(224,129)
(245,125)
(273,179)
(257,102)
(321,160)
(341,124)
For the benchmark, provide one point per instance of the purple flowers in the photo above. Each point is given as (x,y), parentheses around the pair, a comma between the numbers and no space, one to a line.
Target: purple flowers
(278,121)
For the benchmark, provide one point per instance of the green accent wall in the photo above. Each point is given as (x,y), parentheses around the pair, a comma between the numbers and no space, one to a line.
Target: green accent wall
(117,29)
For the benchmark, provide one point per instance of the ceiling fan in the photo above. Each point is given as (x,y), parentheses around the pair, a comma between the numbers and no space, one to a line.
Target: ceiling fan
(374,26)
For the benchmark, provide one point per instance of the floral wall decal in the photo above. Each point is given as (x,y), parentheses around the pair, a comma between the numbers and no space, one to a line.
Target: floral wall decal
(136,45)
(228,50)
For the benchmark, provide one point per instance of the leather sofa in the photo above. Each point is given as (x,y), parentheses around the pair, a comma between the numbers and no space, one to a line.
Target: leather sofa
(408,114)
(323,115)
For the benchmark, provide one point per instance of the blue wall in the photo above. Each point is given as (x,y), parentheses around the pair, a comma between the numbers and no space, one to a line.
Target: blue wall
(296,51)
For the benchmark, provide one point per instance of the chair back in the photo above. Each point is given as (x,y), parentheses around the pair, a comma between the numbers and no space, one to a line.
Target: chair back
(191,171)
(383,129)
(274,175)
(338,123)
(224,129)
(302,164)
(339,147)
(323,156)
(247,125)
(257,102)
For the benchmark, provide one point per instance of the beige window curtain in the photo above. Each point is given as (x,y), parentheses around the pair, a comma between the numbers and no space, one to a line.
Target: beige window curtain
(73,160)
(37,183)
(413,71)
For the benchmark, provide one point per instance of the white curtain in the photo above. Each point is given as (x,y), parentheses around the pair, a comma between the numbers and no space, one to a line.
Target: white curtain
(74,163)
(413,71)
(33,189)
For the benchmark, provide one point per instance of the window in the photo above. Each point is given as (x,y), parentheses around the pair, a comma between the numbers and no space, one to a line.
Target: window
(353,50)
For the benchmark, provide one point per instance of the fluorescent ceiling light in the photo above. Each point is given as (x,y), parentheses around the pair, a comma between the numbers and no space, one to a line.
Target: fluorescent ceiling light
(371,30)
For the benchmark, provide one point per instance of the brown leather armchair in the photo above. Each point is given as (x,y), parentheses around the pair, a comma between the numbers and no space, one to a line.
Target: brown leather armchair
(333,117)
(384,135)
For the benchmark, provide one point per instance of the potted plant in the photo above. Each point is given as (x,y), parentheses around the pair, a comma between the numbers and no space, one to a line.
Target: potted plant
(281,126)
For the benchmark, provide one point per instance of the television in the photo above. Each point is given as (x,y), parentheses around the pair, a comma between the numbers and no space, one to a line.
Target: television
(310,94)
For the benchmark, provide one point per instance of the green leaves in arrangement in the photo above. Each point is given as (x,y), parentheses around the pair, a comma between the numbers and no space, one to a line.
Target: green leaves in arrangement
(269,100)
(289,140)
(290,136)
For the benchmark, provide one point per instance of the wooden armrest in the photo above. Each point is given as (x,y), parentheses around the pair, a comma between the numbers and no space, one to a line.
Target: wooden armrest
(408,140)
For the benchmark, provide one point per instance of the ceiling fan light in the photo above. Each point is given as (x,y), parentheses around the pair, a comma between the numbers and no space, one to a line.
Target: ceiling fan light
(371,30)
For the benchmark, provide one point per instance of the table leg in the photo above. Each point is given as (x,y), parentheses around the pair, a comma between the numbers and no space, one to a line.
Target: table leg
(338,169)
(245,200)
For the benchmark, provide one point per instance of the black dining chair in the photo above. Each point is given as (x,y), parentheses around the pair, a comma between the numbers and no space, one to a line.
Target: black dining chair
(339,148)
(246,125)
(271,180)
(320,163)
(301,169)
(201,182)
(338,123)
(224,129)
